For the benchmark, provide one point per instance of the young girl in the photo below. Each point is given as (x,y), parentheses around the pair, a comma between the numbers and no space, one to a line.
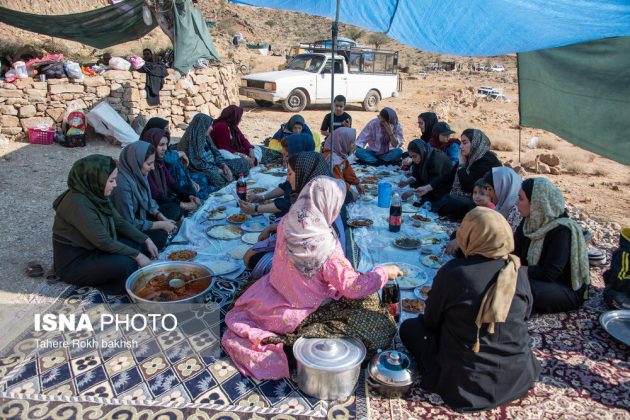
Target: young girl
(480,196)
(344,147)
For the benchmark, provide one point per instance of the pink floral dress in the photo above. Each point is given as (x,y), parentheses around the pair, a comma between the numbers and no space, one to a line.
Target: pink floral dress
(280,301)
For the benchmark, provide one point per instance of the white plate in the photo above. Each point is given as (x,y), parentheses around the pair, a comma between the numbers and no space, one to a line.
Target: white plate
(225,198)
(414,277)
(219,268)
(239,252)
(417,292)
(254,226)
(426,260)
(410,208)
(224,232)
(367,197)
(250,238)
(216,216)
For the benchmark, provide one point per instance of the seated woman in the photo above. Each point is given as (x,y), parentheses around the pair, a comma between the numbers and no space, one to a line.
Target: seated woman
(470,366)
(291,145)
(92,244)
(175,161)
(305,166)
(426,121)
(475,160)
(164,188)
(503,185)
(441,140)
(552,248)
(227,136)
(344,147)
(132,197)
(379,142)
(208,168)
(309,268)
(427,165)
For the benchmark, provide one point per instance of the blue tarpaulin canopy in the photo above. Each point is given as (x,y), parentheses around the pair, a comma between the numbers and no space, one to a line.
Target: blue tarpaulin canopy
(475,27)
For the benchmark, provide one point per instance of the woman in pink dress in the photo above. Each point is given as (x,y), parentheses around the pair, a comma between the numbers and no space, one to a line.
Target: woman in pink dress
(309,269)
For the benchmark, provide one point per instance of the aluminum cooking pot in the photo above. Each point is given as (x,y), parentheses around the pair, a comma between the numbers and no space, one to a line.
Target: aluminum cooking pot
(328,368)
(391,373)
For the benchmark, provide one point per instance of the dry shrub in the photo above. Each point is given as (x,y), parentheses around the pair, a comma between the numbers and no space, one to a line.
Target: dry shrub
(575,168)
(503,146)
(546,144)
(599,171)
(591,157)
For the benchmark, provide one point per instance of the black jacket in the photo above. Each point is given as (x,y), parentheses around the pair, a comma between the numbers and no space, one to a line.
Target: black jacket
(467,180)
(504,369)
(439,166)
(154,82)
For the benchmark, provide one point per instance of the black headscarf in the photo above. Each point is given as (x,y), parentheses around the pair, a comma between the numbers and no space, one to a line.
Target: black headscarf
(156,122)
(528,188)
(424,149)
(429,118)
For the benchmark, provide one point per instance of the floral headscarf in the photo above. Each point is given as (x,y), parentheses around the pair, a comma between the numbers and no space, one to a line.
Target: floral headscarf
(309,235)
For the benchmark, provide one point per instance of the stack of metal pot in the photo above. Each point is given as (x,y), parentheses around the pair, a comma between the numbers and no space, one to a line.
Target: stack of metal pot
(391,373)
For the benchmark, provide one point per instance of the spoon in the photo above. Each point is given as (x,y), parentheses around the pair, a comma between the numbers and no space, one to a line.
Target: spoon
(176,283)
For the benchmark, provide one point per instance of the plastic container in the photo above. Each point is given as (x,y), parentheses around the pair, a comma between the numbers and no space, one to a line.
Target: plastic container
(384,194)
(41,136)
(20,69)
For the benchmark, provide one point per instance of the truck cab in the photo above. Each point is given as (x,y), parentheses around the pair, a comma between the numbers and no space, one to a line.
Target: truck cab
(361,75)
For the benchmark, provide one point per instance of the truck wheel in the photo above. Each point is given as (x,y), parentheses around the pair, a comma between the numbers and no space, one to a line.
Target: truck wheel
(295,102)
(371,101)
(263,104)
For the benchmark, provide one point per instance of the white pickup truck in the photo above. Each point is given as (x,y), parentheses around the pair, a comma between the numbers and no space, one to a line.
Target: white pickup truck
(361,75)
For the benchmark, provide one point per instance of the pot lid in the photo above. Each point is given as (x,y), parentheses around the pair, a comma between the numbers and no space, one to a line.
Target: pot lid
(392,367)
(330,354)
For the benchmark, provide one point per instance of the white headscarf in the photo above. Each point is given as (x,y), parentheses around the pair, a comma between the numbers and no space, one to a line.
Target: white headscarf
(506,185)
(308,230)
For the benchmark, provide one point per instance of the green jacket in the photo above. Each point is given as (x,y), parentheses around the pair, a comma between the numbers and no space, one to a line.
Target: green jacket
(79,224)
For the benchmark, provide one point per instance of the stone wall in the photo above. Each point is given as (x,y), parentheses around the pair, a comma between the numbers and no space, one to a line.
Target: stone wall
(29,103)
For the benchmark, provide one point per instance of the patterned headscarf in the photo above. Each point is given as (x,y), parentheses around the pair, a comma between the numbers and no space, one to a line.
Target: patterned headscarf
(485,232)
(308,230)
(429,118)
(344,145)
(196,141)
(308,165)
(132,158)
(506,184)
(479,146)
(547,208)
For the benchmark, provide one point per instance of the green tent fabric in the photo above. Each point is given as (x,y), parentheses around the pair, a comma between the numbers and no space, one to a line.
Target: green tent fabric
(192,39)
(580,92)
(100,28)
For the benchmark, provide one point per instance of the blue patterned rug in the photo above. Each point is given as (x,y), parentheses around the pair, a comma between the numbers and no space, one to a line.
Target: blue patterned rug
(177,373)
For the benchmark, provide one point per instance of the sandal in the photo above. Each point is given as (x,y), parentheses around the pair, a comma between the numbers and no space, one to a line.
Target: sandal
(34,269)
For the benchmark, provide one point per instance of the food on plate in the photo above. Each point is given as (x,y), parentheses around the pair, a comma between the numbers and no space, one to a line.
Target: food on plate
(225,197)
(216,214)
(410,208)
(257,190)
(370,179)
(426,290)
(250,238)
(413,305)
(360,222)
(433,261)
(238,218)
(420,218)
(182,255)
(239,252)
(407,243)
(366,197)
(224,232)
(251,182)
(431,241)
(158,289)
(369,187)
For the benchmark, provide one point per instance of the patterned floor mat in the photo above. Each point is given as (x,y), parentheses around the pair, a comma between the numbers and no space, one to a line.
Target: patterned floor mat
(178,372)
(585,373)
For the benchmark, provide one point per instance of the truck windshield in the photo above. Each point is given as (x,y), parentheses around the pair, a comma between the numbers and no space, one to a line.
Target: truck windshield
(306,62)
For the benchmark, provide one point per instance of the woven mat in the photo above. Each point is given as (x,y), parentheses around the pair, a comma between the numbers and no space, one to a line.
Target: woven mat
(170,373)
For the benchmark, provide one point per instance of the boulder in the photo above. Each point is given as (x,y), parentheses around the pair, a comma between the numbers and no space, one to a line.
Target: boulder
(8,110)
(117,75)
(55,113)
(36,122)
(40,85)
(66,88)
(11,131)
(35,92)
(543,168)
(555,170)
(550,159)
(9,121)
(11,93)
(94,81)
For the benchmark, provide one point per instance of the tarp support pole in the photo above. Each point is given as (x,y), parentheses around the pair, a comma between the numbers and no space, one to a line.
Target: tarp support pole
(335,33)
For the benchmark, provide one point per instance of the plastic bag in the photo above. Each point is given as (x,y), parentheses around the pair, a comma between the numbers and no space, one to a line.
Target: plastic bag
(108,122)
(118,63)
(136,62)
(533,143)
(73,70)
(201,63)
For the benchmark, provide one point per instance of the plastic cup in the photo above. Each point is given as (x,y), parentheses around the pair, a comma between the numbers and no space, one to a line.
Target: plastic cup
(384,194)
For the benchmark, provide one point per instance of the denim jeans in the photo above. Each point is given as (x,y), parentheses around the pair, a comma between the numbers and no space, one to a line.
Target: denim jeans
(369,157)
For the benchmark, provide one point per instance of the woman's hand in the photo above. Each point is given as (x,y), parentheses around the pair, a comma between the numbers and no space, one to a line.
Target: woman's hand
(407,161)
(195,186)
(142,260)
(425,189)
(167,226)
(227,173)
(247,208)
(393,272)
(153,251)
(360,189)
(184,158)
(451,247)
(195,200)
(255,198)
(404,183)
(407,194)
(267,232)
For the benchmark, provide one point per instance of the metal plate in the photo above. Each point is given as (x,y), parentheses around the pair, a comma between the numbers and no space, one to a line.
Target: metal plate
(416,278)
(617,324)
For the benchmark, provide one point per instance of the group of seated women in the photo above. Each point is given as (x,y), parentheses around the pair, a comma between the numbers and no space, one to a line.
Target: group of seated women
(516,251)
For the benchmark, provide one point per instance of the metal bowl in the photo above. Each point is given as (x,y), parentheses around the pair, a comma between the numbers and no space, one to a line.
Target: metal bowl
(139,279)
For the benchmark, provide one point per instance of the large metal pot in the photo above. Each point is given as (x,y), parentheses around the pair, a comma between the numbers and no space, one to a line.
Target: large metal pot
(139,278)
(328,368)
(391,373)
